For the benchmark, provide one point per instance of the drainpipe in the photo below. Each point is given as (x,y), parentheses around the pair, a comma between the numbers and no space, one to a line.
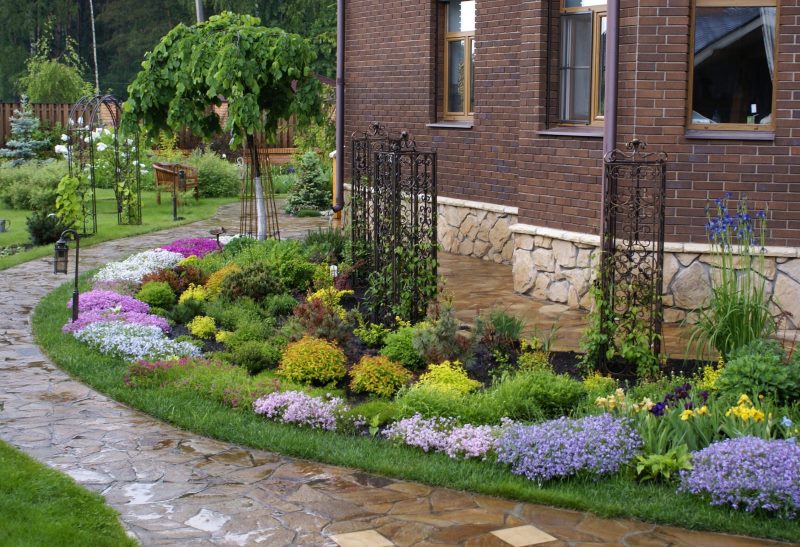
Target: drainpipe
(339,200)
(610,113)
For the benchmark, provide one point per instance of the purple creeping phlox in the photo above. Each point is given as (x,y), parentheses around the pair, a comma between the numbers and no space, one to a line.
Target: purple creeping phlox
(295,407)
(196,246)
(442,435)
(100,316)
(748,473)
(595,445)
(107,300)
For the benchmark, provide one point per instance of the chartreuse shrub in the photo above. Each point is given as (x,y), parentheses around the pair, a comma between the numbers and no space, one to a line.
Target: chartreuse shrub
(193,292)
(372,334)
(313,360)
(448,376)
(215,280)
(158,294)
(400,348)
(202,326)
(761,368)
(378,375)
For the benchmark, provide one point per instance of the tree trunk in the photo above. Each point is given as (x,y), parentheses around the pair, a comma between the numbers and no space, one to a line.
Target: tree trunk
(258,191)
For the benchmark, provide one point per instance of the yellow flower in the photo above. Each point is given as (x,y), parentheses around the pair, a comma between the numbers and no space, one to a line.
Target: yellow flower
(686,414)
(702,410)
(743,399)
(601,402)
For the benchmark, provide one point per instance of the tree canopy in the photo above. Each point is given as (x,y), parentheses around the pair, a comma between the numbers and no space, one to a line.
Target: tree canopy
(264,73)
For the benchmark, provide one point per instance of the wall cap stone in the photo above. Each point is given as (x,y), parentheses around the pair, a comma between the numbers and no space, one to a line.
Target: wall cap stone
(481,205)
(669,246)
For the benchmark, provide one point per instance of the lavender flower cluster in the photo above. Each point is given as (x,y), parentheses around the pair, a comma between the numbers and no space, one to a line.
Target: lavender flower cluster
(99,316)
(748,473)
(197,246)
(132,341)
(295,407)
(105,300)
(442,435)
(597,445)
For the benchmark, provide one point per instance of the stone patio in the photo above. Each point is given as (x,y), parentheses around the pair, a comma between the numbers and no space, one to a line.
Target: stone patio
(174,487)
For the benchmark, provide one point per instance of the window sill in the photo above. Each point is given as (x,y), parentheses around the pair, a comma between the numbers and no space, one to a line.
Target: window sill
(740,135)
(584,131)
(450,125)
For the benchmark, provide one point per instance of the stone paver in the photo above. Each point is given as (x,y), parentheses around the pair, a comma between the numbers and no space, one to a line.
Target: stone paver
(173,487)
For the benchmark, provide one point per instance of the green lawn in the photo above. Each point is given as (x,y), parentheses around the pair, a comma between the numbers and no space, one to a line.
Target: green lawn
(40,506)
(154,217)
(618,496)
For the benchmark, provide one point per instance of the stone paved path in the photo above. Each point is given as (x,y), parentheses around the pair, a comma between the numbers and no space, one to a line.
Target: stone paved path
(172,487)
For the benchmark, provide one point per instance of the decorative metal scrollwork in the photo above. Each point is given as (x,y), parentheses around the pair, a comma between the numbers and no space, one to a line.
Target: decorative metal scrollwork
(631,276)
(393,222)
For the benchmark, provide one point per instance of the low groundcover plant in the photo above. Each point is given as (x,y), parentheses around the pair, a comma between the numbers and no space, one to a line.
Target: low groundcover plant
(595,445)
(132,341)
(295,407)
(443,435)
(135,267)
(748,472)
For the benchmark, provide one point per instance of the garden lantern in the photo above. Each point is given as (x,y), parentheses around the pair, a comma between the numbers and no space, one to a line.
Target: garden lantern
(61,264)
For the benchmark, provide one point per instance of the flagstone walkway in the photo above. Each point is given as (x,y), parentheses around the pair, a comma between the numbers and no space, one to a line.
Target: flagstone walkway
(173,487)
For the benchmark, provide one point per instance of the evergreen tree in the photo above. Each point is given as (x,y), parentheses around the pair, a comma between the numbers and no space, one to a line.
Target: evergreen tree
(22,146)
(312,189)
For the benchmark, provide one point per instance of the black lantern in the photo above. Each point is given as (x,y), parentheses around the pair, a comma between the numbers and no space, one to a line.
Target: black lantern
(61,263)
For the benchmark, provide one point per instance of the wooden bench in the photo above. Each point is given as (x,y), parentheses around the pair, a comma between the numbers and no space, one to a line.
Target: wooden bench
(168,179)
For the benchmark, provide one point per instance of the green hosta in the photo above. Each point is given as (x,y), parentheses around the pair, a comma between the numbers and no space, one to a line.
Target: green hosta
(663,467)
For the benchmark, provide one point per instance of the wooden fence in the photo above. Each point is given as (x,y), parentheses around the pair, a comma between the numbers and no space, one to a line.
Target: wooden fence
(52,114)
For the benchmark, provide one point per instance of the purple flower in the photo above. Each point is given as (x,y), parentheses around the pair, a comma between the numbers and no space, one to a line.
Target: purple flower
(197,246)
(442,435)
(107,300)
(597,445)
(659,408)
(102,316)
(747,473)
(295,407)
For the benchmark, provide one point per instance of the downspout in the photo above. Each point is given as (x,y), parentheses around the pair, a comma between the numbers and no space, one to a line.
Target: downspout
(339,202)
(610,112)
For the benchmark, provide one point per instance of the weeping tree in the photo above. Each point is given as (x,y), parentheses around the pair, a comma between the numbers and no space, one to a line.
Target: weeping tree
(263,73)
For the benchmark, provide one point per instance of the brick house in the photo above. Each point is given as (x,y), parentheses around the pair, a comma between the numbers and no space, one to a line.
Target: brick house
(511,93)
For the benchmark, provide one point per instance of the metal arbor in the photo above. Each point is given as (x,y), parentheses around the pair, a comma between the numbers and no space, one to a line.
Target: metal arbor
(394,223)
(101,156)
(631,272)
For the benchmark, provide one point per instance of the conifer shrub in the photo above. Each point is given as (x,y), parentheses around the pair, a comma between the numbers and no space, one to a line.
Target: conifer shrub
(157,293)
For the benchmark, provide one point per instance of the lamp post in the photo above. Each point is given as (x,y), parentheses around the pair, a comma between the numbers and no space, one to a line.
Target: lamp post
(61,263)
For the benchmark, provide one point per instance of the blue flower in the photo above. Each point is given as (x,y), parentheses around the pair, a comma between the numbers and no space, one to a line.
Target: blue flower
(786,422)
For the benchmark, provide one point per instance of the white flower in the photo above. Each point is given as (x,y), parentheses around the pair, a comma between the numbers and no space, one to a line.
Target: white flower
(144,171)
(129,141)
(64,137)
(135,267)
(133,341)
(101,146)
(224,156)
(106,131)
(87,139)
(61,149)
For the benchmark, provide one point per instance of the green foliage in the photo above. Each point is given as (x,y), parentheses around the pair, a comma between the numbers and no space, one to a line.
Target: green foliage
(22,146)
(761,368)
(312,189)
(264,73)
(611,335)
(216,177)
(257,355)
(663,467)
(448,376)
(295,273)
(400,348)
(372,334)
(378,375)
(279,305)
(597,385)
(202,326)
(323,320)
(250,332)
(157,293)
(71,205)
(44,228)
(233,314)
(256,281)
(552,394)
(312,360)
(325,245)
(499,329)
(32,186)
(438,340)
(377,413)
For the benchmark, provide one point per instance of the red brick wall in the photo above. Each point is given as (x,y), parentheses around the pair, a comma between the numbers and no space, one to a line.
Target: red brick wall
(392,76)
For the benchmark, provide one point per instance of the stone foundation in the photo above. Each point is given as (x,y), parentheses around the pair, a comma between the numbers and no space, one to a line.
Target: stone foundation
(559,266)
(481,230)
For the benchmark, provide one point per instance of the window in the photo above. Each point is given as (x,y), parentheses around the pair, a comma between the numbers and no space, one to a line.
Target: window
(733,65)
(582,62)
(459,59)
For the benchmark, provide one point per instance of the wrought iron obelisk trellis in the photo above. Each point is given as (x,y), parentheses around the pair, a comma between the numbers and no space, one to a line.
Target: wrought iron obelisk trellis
(256,170)
(632,260)
(393,221)
(93,128)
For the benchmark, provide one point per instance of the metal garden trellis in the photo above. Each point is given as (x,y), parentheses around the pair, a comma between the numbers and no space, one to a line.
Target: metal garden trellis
(393,222)
(631,270)
(253,166)
(88,119)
